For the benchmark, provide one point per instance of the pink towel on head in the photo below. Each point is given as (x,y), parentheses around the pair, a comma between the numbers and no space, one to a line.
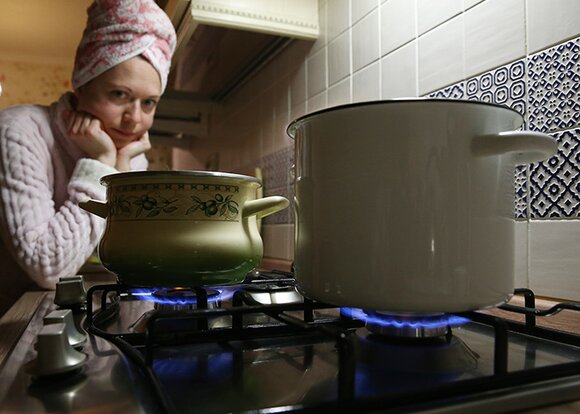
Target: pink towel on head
(118,30)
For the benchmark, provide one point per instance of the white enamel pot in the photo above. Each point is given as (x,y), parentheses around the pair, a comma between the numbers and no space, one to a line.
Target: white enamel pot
(408,205)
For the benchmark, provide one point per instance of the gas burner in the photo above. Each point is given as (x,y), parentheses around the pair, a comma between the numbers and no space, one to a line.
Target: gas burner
(173,300)
(270,293)
(176,299)
(406,325)
(433,357)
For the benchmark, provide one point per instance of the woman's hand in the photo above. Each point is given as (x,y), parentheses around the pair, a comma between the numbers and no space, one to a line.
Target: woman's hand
(131,150)
(86,131)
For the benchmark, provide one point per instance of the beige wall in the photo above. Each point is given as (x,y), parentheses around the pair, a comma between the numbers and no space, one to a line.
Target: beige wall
(25,82)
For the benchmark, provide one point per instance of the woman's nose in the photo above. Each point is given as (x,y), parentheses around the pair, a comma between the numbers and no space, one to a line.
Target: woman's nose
(132,113)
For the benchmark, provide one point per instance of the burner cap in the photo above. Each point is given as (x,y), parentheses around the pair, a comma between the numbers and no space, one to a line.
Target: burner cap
(270,294)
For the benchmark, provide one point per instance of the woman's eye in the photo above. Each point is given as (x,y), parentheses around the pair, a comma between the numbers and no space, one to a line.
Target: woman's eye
(149,103)
(119,94)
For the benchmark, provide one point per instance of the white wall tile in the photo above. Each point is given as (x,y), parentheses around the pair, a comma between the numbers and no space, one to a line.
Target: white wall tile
(339,93)
(494,35)
(323,26)
(521,278)
(339,58)
(467,4)
(365,41)
(398,24)
(550,22)
(337,17)
(365,84)
(316,73)
(298,110)
(554,258)
(298,86)
(316,102)
(441,56)
(399,72)
(361,8)
(431,13)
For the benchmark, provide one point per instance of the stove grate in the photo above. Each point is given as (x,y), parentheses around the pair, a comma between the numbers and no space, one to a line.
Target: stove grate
(141,348)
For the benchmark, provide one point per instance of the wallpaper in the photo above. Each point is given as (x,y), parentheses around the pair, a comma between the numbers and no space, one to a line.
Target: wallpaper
(24,83)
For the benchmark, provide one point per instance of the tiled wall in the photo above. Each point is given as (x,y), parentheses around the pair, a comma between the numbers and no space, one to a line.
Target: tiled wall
(545,88)
(522,53)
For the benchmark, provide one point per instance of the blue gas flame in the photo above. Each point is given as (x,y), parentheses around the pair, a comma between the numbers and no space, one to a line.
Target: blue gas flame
(398,321)
(224,293)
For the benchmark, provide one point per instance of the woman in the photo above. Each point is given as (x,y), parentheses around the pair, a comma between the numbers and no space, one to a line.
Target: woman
(53,157)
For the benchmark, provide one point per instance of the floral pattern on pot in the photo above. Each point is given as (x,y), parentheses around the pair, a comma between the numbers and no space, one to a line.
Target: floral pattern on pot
(174,202)
(223,206)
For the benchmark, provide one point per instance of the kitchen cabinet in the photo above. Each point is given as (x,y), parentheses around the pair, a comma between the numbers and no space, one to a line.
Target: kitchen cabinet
(220,43)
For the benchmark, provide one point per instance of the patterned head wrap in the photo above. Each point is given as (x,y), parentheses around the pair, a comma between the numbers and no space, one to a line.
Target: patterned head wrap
(118,30)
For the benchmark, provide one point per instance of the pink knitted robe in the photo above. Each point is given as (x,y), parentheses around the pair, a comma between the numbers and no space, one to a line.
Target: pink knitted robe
(43,176)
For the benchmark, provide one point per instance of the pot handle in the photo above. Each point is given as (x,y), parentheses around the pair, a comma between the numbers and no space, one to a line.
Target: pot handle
(524,146)
(263,207)
(96,207)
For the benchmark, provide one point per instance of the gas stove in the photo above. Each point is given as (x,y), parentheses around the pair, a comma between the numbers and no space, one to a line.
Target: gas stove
(262,347)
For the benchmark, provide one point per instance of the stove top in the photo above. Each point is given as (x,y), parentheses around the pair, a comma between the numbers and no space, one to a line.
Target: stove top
(262,347)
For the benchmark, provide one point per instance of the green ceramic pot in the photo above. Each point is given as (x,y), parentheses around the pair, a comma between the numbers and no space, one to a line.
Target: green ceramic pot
(181,228)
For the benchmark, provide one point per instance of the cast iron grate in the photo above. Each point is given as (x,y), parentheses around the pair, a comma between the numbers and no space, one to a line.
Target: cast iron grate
(141,348)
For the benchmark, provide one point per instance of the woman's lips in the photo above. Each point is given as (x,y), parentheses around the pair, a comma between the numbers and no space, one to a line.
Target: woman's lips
(125,134)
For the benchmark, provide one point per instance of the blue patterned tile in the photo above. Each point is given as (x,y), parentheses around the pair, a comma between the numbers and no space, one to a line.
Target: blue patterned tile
(456,91)
(554,183)
(554,88)
(521,192)
(505,86)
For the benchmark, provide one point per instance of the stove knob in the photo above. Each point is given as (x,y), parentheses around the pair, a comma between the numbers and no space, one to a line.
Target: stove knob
(54,354)
(75,337)
(70,291)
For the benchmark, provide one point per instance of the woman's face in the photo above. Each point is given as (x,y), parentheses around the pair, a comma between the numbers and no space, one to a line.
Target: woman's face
(123,98)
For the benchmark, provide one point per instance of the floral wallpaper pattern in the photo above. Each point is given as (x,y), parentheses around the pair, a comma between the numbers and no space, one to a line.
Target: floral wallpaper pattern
(25,83)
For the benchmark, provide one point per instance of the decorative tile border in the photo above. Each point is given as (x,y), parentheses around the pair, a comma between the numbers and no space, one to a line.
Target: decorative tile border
(521,192)
(554,183)
(545,88)
(505,85)
(554,88)
(456,91)
(554,100)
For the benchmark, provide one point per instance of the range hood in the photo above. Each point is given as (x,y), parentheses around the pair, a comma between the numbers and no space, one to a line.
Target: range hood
(222,43)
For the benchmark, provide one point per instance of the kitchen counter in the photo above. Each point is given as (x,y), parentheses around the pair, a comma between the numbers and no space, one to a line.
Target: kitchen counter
(14,322)
(566,320)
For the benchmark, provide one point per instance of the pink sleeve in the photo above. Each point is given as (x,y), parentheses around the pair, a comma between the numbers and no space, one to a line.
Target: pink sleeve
(139,163)
(47,242)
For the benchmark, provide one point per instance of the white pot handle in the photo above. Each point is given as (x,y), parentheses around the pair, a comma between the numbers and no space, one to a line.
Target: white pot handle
(524,146)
